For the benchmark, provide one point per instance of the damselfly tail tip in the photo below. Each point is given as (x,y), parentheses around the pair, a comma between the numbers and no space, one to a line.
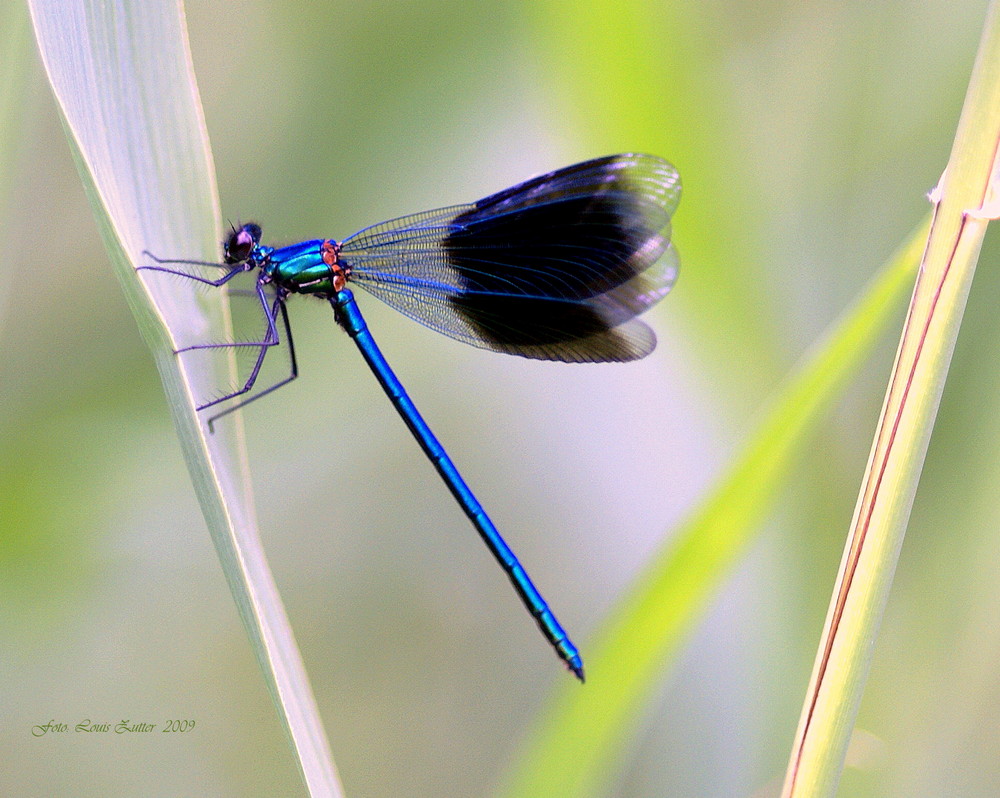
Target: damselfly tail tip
(576,665)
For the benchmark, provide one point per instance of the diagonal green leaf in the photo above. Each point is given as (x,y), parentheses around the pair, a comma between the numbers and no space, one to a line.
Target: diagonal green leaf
(579,745)
(122,76)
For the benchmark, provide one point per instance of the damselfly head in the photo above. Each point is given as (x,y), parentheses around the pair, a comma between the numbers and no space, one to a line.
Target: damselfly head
(239,245)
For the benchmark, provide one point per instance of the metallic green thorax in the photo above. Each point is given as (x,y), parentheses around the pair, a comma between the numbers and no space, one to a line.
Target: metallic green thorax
(304,268)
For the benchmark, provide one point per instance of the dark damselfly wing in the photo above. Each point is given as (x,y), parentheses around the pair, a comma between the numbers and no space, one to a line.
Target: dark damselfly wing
(555,268)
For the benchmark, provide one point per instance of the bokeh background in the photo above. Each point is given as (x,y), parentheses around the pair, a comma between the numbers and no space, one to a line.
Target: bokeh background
(807,135)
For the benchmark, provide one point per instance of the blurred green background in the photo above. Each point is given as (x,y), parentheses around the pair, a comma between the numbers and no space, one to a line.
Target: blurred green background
(806,135)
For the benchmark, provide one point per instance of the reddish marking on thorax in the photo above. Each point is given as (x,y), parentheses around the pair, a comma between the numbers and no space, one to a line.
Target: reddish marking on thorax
(338,274)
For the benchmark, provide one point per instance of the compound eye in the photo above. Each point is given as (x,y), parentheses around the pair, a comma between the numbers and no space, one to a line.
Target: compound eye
(240,244)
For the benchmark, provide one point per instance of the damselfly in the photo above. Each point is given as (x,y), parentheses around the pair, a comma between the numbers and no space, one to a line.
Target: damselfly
(555,268)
